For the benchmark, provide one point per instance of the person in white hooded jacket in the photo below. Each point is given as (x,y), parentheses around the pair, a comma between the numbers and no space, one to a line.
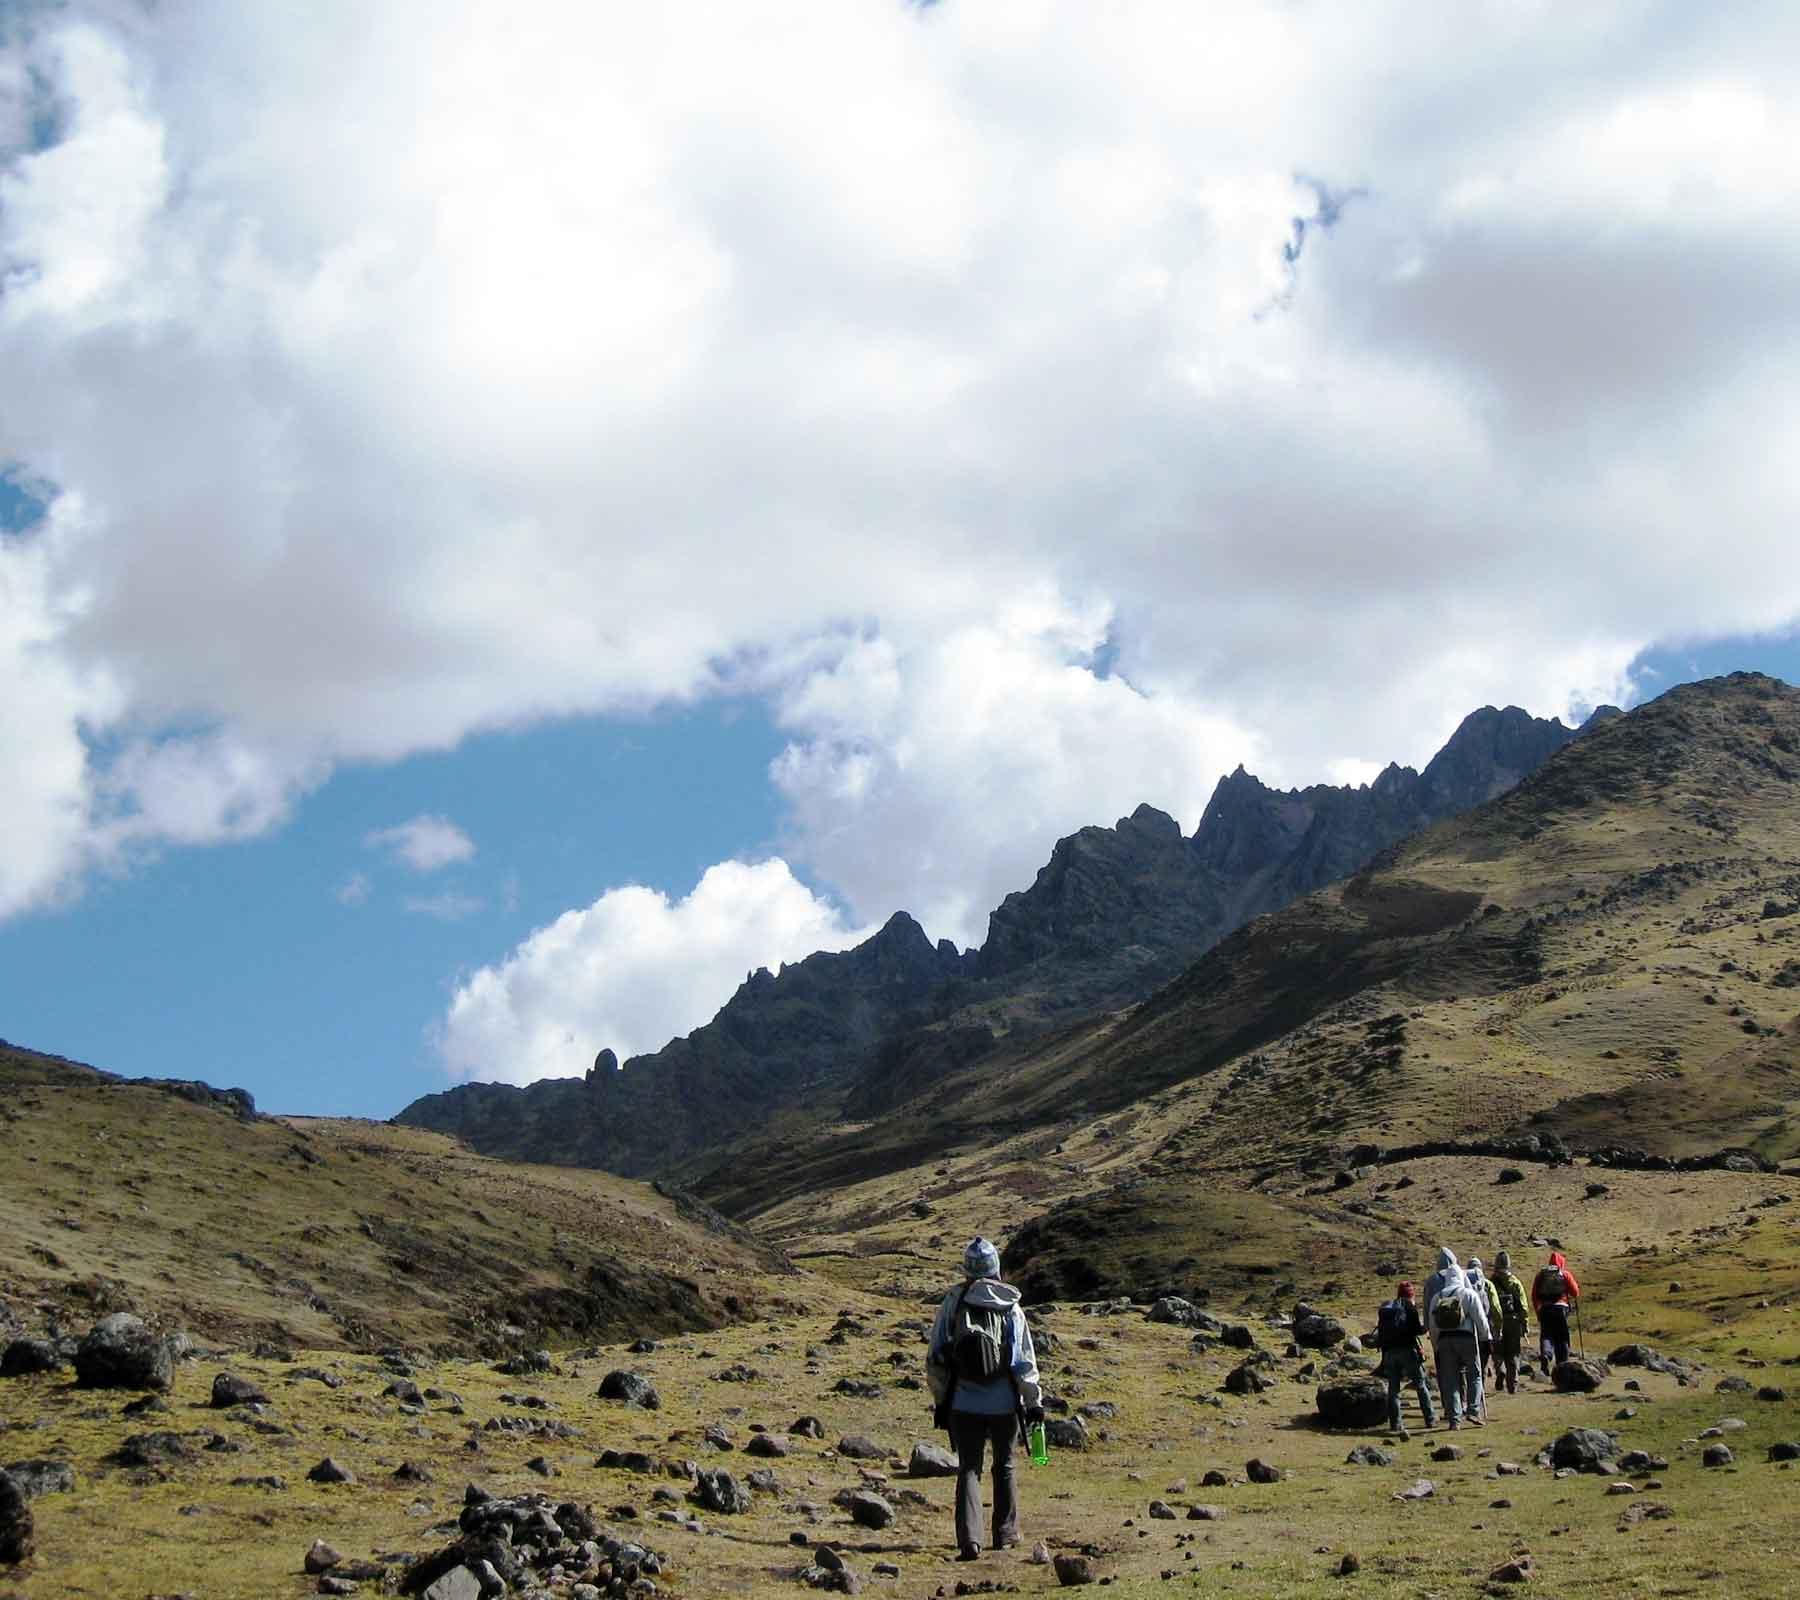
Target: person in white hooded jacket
(982,1413)
(1457,1340)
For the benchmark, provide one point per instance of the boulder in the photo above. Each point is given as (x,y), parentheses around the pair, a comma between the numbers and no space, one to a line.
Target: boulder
(1180,1313)
(771,1446)
(1259,1471)
(231,1390)
(320,1557)
(1072,1570)
(631,1388)
(1066,1433)
(722,1493)
(41,1476)
(330,1470)
(1716,1455)
(1584,1449)
(930,1461)
(869,1510)
(23,1357)
(120,1352)
(1579,1376)
(1369,1455)
(1353,1403)
(860,1447)
(1248,1378)
(459,1583)
(1313,1330)
(1784,1450)
(807,1428)
(17,1532)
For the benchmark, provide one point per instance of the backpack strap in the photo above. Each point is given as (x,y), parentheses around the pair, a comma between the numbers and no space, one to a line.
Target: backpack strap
(950,1349)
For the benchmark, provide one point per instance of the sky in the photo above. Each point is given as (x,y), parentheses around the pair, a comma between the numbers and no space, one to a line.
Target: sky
(510,522)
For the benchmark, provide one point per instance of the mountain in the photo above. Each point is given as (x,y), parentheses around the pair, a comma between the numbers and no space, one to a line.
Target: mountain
(1113,915)
(768,1048)
(1602,964)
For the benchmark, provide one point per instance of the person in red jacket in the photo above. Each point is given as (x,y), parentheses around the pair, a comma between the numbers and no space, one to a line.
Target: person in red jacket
(1553,1291)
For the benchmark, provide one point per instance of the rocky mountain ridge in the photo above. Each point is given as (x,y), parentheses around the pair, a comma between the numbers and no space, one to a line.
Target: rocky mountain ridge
(1115,913)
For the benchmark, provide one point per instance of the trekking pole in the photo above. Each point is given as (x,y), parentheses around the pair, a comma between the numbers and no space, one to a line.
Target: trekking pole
(1581,1338)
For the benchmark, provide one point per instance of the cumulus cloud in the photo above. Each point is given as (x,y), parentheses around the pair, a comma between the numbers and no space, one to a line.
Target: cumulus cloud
(631,971)
(423,844)
(946,374)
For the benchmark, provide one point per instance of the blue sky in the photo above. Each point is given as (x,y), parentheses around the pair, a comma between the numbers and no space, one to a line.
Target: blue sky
(708,482)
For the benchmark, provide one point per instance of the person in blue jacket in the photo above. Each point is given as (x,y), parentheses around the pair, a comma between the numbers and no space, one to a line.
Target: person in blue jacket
(984,1380)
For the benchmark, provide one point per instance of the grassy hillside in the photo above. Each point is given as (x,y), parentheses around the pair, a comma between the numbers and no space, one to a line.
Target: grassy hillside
(124,1196)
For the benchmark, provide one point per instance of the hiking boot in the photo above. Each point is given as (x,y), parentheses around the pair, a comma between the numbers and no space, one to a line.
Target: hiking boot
(969,1552)
(1403,1435)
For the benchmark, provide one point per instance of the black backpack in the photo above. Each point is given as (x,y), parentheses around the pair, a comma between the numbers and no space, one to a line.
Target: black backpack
(1393,1325)
(1552,1285)
(979,1336)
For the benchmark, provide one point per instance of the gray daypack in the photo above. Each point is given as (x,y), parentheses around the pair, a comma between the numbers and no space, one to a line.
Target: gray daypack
(979,1336)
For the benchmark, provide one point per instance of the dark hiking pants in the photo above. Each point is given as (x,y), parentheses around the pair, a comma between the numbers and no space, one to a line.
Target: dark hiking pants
(972,1434)
(1553,1333)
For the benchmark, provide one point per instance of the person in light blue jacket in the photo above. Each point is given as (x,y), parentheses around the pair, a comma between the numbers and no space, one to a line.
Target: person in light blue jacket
(984,1380)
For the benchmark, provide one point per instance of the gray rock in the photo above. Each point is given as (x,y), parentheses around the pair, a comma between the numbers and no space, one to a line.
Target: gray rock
(1716,1455)
(459,1583)
(120,1352)
(1313,1330)
(1784,1450)
(1249,1378)
(1066,1433)
(1162,1511)
(1369,1455)
(869,1510)
(1073,1570)
(149,1449)
(41,1476)
(807,1428)
(1179,1313)
(769,1445)
(722,1493)
(331,1470)
(1578,1376)
(633,1388)
(320,1557)
(1584,1449)
(230,1390)
(17,1529)
(1206,1513)
(930,1461)
(860,1447)
(1259,1471)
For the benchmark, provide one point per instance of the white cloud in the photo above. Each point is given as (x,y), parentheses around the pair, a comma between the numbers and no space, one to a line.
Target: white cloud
(877,358)
(447,906)
(425,843)
(631,971)
(354,890)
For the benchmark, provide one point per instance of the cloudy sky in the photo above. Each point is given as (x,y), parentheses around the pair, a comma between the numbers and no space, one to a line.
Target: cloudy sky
(513,518)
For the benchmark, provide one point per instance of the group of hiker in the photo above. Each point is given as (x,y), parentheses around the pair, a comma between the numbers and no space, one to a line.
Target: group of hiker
(984,1376)
(1477,1325)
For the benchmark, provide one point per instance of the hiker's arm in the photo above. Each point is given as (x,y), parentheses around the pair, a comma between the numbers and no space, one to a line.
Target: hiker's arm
(1024,1367)
(937,1365)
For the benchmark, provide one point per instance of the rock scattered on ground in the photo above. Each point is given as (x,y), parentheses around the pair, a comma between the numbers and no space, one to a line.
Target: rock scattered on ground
(120,1352)
(633,1388)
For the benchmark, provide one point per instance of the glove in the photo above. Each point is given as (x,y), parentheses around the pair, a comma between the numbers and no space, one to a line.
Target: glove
(1034,1415)
(940,1414)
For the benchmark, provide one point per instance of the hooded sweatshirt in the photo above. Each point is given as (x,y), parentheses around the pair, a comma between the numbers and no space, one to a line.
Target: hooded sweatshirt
(1474,1307)
(1484,1286)
(1434,1285)
(1539,1301)
(995,1399)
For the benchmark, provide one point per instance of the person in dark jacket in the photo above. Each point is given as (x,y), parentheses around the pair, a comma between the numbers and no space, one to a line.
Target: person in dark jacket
(984,1414)
(1553,1291)
(1398,1330)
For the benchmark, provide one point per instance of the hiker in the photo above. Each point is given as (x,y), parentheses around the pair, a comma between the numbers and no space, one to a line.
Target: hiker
(1484,1286)
(1553,1291)
(1398,1330)
(984,1379)
(1511,1334)
(1457,1319)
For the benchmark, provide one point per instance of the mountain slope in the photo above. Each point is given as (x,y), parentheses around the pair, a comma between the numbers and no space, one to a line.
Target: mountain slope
(1115,913)
(119,1195)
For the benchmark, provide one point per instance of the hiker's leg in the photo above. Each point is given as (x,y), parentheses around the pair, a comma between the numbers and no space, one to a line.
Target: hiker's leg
(1449,1383)
(1476,1394)
(1002,1433)
(1423,1389)
(1395,1372)
(970,1434)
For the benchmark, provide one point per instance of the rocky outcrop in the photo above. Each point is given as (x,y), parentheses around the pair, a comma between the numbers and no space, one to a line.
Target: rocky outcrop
(766,1048)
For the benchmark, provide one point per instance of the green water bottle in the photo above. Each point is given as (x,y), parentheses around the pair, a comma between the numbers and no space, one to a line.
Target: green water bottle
(1040,1446)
